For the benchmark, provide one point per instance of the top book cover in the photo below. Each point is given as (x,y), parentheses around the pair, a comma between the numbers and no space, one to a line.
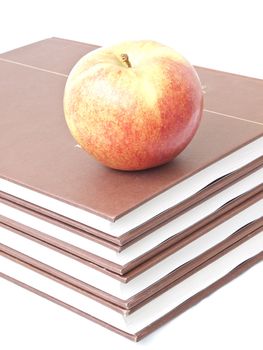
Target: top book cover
(41,164)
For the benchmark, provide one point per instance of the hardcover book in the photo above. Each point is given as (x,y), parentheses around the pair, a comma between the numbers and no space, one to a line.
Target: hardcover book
(42,168)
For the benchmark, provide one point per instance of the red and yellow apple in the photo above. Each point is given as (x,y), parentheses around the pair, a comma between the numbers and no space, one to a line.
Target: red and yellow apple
(133,106)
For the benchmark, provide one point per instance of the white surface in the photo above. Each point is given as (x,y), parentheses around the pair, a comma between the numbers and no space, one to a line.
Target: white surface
(172,228)
(153,207)
(155,308)
(223,35)
(114,287)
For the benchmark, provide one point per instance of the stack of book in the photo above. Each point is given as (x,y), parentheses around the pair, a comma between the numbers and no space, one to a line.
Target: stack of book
(128,250)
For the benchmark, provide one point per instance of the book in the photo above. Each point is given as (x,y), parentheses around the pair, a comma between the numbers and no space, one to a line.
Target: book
(155,313)
(183,261)
(151,248)
(41,167)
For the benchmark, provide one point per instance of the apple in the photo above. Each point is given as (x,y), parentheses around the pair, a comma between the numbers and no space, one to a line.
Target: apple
(133,106)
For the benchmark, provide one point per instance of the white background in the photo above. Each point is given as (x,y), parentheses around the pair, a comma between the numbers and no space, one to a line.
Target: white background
(226,35)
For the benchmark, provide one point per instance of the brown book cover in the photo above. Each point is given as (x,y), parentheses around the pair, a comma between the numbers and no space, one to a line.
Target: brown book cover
(254,256)
(39,154)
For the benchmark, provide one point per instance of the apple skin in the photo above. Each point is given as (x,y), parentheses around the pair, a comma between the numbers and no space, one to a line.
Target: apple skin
(138,117)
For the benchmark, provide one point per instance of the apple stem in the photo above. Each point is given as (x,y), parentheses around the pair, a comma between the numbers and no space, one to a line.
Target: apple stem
(125,59)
